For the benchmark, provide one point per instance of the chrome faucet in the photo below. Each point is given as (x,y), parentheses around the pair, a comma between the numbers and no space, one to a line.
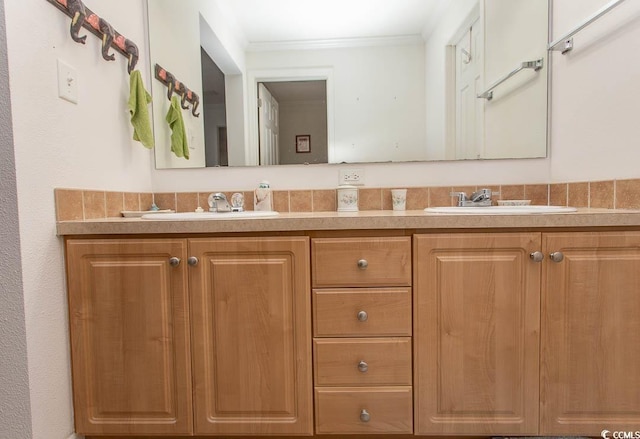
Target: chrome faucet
(478,198)
(218,203)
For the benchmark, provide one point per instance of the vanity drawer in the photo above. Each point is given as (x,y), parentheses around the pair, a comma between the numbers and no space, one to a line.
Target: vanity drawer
(364,410)
(362,361)
(362,312)
(359,262)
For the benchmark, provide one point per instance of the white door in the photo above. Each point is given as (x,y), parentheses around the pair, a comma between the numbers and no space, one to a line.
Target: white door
(268,122)
(469,110)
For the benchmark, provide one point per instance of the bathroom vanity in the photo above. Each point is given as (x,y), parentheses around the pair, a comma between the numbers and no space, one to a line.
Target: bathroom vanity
(359,323)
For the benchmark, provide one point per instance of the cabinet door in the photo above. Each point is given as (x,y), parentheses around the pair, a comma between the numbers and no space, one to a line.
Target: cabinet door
(476,333)
(252,336)
(590,378)
(129,324)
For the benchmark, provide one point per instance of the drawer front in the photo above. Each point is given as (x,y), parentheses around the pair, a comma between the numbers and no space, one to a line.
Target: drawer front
(362,362)
(362,312)
(364,410)
(358,262)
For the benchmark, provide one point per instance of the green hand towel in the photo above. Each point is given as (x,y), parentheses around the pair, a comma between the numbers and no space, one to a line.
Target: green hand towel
(139,100)
(179,144)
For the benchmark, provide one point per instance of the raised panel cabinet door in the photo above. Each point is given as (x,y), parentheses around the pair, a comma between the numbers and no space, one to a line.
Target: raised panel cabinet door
(252,336)
(476,334)
(590,368)
(129,324)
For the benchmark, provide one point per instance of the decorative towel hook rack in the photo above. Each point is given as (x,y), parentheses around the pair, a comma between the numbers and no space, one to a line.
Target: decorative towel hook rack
(81,16)
(567,38)
(176,86)
(535,65)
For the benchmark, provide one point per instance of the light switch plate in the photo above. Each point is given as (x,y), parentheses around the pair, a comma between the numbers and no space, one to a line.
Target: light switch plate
(67,82)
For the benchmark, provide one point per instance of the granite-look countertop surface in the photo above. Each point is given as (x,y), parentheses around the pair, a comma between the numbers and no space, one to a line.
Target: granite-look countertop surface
(364,220)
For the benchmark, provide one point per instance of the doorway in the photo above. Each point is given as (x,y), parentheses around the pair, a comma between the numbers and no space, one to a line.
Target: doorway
(291,112)
(214,112)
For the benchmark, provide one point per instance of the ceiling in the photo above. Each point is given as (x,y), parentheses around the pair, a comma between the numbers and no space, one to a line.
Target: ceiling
(268,21)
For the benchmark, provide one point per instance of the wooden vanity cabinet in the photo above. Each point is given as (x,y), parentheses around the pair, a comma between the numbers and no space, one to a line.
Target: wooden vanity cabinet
(590,366)
(476,333)
(459,334)
(130,347)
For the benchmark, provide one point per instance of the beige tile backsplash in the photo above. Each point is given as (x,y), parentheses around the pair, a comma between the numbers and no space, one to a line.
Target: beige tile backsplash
(78,204)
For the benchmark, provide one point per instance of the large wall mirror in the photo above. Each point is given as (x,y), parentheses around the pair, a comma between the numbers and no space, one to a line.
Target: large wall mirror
(427,80)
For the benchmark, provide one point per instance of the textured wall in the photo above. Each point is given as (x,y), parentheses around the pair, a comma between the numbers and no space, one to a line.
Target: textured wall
(15,411)
(59,144)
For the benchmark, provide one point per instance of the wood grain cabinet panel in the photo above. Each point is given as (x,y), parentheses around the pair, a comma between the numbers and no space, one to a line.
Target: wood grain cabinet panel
(362,361)
(590,377)
(129,324)
(361,262)
(367,410)
(337,312)
(476,332)
(251,310)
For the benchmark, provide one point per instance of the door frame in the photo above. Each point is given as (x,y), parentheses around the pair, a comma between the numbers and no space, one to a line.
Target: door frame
(285,75)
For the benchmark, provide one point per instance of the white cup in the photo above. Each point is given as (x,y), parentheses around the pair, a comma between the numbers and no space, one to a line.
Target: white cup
(399,199)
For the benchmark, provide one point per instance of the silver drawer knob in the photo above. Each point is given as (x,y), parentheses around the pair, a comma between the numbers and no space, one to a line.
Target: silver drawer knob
(363,366)
(192,261)
(365,416)
(556,256)
(536,256)
(363,316)
(363,264)
(174,262)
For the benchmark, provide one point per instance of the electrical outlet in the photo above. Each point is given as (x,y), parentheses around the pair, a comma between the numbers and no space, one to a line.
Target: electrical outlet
(354,176)
(67,82)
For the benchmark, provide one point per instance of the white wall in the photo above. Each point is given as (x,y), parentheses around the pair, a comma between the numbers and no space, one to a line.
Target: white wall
(59,144)
(15,411)
(595,92)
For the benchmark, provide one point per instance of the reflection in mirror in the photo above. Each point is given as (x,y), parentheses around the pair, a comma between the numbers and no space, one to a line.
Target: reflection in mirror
(404,95)
(214,112)
(289,110)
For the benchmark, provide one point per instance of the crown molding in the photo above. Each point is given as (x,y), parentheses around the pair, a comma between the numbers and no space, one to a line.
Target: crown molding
(335,43)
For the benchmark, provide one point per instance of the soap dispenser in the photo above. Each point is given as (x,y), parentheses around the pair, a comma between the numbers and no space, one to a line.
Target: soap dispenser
(262,199)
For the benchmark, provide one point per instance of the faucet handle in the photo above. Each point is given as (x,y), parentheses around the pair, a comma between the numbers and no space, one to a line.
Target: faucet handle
(461,196)
(483,194)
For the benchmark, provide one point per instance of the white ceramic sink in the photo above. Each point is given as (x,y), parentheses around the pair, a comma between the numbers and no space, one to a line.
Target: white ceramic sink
(500,210)
(196,216)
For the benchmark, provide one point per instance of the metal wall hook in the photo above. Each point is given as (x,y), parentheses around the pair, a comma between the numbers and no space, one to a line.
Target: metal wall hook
(83,17)
(176,86)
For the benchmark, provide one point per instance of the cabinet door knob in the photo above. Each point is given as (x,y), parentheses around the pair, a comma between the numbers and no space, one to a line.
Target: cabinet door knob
(556,256)
(363,366)
(536,256)
(192,261)
(365,416)
(174,262)
(363,264)
(363,316)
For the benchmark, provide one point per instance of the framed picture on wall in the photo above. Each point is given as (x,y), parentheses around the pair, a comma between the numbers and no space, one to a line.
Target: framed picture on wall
(303,143)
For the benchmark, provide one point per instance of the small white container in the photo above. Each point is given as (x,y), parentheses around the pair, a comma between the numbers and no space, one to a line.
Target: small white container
(262,199)
(399,199)
(347,198)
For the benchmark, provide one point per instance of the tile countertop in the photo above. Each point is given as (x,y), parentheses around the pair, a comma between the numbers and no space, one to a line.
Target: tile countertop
(364,220)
